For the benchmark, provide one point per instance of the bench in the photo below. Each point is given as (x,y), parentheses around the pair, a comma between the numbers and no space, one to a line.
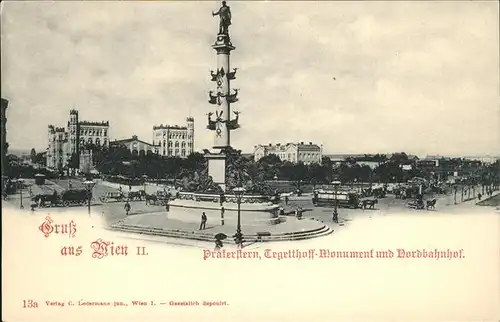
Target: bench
(262,234)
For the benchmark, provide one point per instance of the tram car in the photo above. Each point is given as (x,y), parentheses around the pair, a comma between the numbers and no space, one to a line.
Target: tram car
(72,197)
(328,198)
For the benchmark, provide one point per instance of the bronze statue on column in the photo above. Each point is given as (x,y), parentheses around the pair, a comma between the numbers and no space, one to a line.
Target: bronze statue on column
(224,14)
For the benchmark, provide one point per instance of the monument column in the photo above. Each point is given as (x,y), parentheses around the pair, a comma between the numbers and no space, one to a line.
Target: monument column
(221,123)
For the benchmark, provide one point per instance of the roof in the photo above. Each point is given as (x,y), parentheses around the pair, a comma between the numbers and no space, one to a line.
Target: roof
(309,147)
(301,146)
(132,139)
(343,156)
(102,123)
(169,127)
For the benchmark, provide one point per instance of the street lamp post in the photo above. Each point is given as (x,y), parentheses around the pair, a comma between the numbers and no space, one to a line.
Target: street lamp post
(89,185)
(335,210)
(20,183)
(239,191)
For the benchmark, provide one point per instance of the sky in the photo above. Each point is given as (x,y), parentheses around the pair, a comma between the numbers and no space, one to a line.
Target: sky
(356,77)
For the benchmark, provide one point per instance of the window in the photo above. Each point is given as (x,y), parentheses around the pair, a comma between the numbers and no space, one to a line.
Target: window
(89,141)
(183,153)
(105,142)
(98,142)
(164,143)
(176,144)
(183,144)
(170,144)
(176,151)
(105,132)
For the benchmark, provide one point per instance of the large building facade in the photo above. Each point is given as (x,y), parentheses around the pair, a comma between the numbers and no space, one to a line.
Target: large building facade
(174,140)
(4,143)
(135,146)
(66,147)
(291,152)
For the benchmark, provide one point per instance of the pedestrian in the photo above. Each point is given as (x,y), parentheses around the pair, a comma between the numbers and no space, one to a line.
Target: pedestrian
(203,222)
(70,184)
(335,217)
(127,208)
(222,211)
(299,213)
(167,206)
(479,196)
(218,244)
(33,205)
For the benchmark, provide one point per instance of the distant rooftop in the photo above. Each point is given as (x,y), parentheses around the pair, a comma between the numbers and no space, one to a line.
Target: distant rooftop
(300,145)
(90,123)
(169,127)
(133,138)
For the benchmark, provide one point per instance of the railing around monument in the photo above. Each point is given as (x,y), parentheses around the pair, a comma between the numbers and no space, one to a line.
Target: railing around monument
(227,198)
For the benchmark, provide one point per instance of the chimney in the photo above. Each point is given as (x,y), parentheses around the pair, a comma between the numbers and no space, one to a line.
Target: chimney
(302,143)
(310,143)
(270,144)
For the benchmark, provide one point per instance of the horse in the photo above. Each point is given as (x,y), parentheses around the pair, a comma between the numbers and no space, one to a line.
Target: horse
(370,203)
(151,199)
(137,195)
(430,204)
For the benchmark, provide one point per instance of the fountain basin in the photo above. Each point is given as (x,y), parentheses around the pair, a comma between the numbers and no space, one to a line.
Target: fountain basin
(229,202)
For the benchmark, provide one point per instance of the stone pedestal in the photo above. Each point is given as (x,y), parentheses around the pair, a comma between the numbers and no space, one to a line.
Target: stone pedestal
(217,168)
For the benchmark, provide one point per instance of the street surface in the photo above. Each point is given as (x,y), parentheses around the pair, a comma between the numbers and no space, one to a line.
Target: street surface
(113,212)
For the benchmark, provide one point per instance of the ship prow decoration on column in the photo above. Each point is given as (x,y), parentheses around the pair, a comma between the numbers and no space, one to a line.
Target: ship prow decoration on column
(221,98)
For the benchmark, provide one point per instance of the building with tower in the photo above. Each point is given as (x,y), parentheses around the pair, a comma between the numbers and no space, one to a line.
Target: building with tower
(3,123)
(67,148)
(174,140)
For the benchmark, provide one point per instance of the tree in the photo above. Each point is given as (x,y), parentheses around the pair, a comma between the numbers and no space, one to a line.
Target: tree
(33,155)
(41,158)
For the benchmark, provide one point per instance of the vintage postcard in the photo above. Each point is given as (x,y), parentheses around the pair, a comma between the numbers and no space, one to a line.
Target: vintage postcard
(250,161)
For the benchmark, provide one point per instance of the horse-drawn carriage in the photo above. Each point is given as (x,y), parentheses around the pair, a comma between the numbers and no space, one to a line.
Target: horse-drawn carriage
(113,196)
(159,199)
(66,198)
(11,186)
(369,203)
(419,204)
(137,195)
